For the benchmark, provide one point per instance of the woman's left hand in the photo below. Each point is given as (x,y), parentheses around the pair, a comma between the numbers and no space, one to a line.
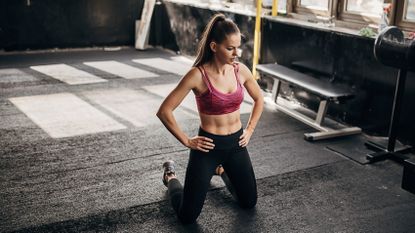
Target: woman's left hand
(245,137)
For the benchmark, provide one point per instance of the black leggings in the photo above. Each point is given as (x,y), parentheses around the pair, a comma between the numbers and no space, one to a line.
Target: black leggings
(239,176)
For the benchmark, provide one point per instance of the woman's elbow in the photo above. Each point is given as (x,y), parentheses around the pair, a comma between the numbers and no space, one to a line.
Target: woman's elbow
(162,113)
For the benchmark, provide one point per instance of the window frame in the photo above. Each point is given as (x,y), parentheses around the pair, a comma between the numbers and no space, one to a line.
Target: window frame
(338,14)
(342,19)
(357,17)
(301,10)
(399,19)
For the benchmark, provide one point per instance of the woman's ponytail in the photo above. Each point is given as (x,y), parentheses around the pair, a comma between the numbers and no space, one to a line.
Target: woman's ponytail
(216,30)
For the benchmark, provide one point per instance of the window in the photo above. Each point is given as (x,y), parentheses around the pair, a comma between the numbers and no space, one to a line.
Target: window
(410,10)
(315,4)
(355,13)
(406,15)
(364,7)
(282,5)
(314,7)
(361,11)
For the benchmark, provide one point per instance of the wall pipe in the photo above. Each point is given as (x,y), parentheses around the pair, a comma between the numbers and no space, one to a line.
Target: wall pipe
(274,7)
(257,37)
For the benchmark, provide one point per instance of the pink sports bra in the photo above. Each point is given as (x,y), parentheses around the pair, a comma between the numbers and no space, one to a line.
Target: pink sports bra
(213,102)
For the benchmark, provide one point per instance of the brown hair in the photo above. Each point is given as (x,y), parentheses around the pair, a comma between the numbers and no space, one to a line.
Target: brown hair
(217,29)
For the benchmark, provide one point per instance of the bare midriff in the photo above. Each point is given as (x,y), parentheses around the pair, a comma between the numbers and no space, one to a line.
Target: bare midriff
(224,124)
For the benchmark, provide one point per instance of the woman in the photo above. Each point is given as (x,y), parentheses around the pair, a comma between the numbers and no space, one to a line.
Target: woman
(217,81)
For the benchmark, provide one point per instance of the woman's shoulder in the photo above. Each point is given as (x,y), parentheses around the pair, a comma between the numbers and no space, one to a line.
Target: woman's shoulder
(194,72)
(242,67)
(193,76)
(244,71)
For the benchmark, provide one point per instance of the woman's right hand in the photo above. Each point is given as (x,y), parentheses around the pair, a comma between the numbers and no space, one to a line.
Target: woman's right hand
(200,143)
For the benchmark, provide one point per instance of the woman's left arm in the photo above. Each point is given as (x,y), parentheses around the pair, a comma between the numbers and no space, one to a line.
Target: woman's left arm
(254,91)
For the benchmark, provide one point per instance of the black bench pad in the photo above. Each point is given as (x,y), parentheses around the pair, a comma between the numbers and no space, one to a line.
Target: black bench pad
(323,89)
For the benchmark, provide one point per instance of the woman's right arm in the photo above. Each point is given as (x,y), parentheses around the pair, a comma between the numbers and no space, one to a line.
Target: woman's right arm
(165,113)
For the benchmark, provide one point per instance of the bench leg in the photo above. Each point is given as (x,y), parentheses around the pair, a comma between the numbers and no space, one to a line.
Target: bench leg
(322,110)
(275,89)
(324,132)
(332,133)
(327,132)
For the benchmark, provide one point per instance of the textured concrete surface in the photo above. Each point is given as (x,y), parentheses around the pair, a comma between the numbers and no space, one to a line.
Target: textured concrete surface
(111,181)
(68,74)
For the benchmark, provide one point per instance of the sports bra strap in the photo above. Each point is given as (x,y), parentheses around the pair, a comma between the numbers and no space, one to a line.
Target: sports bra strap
(236,70)
(207,81)
(205,77)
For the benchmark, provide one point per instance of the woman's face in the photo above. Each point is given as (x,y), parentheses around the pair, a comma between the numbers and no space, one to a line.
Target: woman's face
(228,51)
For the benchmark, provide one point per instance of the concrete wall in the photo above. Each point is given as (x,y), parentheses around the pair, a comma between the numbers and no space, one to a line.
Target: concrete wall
(67,23)
(187,24)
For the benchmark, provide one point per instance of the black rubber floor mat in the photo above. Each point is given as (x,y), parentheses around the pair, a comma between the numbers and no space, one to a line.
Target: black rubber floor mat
(352,147)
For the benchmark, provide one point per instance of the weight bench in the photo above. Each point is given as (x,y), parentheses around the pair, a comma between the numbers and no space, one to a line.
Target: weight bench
(324,90)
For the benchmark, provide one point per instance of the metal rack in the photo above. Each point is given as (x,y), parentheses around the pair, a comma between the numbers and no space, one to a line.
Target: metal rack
(391,49)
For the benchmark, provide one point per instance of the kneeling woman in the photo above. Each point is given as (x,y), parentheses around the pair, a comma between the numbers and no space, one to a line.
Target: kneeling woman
(218,82)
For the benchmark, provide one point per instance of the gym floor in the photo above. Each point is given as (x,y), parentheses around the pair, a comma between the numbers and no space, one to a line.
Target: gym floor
(81,151)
